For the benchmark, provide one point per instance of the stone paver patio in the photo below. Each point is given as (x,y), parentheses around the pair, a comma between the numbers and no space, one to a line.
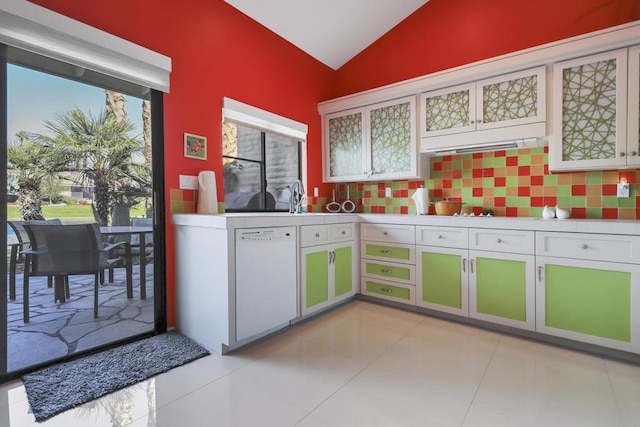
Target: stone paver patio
(59,329)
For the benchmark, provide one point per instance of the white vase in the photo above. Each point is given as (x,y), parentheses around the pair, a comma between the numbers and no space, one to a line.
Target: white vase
(562,213)
(548,213)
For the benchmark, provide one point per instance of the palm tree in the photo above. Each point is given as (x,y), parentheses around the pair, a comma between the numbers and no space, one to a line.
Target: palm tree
(26,162)
(98,148)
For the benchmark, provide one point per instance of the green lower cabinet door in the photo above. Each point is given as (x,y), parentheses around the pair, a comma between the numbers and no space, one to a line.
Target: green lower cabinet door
(501,288)
(441,279)
(316,278)
(588,301)
(343,270)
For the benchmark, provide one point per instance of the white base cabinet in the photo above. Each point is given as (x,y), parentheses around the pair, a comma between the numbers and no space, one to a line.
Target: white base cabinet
(328,271)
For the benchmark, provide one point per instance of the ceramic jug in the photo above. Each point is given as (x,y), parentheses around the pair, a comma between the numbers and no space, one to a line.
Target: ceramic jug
(562,213)
(548,213)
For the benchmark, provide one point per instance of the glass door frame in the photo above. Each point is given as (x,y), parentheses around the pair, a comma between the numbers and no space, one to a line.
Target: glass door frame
(159,221)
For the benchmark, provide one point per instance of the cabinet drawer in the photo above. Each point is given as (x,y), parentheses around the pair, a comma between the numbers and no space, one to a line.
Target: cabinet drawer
(511,241)
(388,233)
(403,273)
(388,252)
(597,247)
(311,235)
(448,237)
(342,232)
(388,290)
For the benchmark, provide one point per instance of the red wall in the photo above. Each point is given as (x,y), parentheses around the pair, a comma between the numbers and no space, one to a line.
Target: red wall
(447,33)
(217,51)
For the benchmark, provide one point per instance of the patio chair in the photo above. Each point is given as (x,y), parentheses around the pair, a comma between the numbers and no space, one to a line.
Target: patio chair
(16,257)
(66,250)
(134,244)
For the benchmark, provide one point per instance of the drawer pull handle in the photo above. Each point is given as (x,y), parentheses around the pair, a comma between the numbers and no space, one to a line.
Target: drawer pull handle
(499,240)
(385,233)
(540,274)
(440,236)
(464,265)
(317,234)
(584,246)
(386,290)
(386,270)
(471,265)
(344,232)
(385,251)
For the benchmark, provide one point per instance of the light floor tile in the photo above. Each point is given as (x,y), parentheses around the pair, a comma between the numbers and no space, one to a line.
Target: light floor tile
(302,373)
(537,384)
(366,364)
(378,398)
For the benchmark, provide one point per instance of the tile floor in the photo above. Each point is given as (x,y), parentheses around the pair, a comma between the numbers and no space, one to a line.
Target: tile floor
(370,365)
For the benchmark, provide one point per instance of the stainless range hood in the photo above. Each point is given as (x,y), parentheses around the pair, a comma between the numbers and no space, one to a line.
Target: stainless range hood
(491,146)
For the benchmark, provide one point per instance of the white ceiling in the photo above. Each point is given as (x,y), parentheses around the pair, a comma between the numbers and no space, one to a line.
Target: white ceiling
(332,31)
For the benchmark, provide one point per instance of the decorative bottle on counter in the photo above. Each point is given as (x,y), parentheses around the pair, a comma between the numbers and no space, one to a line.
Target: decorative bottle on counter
(562,213)
(548,213)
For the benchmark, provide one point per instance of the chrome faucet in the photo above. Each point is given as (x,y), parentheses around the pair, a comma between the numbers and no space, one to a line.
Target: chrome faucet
(297,193)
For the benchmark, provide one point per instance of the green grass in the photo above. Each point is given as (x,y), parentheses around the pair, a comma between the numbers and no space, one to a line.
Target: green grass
(78,213)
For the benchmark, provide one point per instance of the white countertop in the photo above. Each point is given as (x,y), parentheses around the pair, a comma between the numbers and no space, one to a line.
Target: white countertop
(275,219)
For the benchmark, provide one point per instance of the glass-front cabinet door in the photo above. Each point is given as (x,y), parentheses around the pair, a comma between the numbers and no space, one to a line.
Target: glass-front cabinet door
(590,113)
(345,145)
(392,136)
(373,142)
(450,110)
(513,99)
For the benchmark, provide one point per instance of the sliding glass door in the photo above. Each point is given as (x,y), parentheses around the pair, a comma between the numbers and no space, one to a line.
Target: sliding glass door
(79,147)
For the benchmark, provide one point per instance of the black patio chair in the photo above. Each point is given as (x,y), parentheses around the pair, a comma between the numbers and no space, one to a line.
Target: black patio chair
(15,256)
(67,250)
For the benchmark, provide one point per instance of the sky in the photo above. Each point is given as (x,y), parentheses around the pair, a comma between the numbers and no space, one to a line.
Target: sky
(34,97)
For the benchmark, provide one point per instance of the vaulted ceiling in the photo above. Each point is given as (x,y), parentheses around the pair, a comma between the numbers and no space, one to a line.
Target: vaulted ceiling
(332,31)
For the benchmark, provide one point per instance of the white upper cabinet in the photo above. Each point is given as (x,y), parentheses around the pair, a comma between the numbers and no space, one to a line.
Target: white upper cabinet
(500,108)
(375,142)
(633,109)
(590,113)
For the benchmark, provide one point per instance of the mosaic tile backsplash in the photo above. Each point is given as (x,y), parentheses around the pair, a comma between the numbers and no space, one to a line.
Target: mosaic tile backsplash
(511,182)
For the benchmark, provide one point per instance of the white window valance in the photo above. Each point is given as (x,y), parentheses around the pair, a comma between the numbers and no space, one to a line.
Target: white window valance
(35,29)
(239,112)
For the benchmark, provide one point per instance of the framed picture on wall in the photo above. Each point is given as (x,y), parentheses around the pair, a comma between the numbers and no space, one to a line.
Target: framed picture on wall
(195,146)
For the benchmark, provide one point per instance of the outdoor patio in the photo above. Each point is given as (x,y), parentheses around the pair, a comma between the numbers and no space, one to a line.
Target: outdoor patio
(59,329)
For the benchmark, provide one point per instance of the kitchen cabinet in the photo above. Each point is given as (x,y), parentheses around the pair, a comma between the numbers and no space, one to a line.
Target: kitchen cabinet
(590,113)
(587,288)
(388,262)
(633,108)
(374,142)
(501,277)
(500,108)
(328,260)
(442,269)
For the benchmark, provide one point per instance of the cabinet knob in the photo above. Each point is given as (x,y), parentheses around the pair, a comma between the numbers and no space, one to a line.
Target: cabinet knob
(472,121)
(344,232)
(622,154)
(480,121)
(584,246)
(440,236)
(317,234)
(499,240)
(633,153)
(385,233)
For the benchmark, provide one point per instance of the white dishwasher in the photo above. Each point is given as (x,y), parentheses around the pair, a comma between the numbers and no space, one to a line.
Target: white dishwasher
(266,279)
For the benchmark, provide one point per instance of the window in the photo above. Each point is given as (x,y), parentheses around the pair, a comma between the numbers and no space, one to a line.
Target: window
(262,156)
